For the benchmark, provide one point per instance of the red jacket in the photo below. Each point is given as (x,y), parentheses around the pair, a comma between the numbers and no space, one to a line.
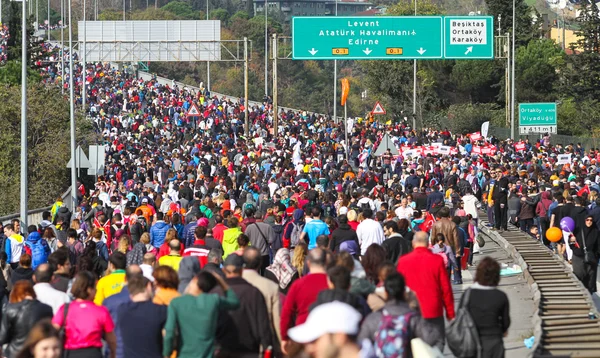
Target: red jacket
(425,274)
(301,295)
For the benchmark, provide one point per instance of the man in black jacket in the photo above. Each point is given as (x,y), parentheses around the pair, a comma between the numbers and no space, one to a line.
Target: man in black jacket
(242,332)
(395,245)
(500,198)
(338,279)
(343,233)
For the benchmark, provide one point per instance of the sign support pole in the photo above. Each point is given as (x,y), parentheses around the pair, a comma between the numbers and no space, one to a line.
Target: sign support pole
(24,181)
(414,111)
(247,121)
(512,84)
(275,109)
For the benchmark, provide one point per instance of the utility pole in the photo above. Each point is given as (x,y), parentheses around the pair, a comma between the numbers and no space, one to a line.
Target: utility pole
(275,109)
(24,179)
(246,104)
(72,108)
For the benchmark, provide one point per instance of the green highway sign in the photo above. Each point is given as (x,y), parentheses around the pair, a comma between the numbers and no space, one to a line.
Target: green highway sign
(537,118)
(367,38)
(392,37)
(468,37)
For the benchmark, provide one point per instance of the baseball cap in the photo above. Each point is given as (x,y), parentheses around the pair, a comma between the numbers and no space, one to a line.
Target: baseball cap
(144,201)
(333,317)
(343,210)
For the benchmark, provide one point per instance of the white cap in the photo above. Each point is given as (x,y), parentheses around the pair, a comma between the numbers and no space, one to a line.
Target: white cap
(333,317)
(343,210)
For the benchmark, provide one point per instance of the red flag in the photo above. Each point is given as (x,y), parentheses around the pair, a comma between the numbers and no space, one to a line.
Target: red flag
(427,223)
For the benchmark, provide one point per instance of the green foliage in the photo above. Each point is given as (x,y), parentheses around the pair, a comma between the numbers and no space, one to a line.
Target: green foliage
(48,145)
(182,10)
(219,14)
(153,14)
(110,15)
(10,74)
(537,76)
(525,29)
(578,118)
(583,73)
(465,118)
(475,79)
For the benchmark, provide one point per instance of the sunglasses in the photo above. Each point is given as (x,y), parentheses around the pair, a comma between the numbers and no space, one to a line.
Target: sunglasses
(589,219)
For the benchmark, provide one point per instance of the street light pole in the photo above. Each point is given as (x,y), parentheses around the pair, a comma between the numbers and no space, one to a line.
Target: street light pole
(24,181)
(72,113)
(513,79)
(62,43)
(47,15)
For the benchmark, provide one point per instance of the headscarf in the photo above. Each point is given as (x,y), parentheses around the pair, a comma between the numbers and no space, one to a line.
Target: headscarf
(282,267)
(136,255)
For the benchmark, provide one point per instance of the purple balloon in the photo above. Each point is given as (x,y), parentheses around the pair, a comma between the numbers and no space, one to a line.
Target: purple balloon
(567,224)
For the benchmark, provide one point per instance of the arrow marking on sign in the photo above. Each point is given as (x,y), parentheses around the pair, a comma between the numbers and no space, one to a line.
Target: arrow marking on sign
(367,51)
(313,51)
(421,51)
(469,49)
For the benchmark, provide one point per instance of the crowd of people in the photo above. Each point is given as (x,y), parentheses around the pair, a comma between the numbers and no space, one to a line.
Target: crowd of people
(237,245)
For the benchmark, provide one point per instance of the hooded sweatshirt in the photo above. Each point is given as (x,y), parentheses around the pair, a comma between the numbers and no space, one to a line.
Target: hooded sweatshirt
(230,237)
(542,207)
(38,249)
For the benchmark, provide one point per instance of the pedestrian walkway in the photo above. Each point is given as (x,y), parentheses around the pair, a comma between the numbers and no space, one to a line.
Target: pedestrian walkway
(522,307)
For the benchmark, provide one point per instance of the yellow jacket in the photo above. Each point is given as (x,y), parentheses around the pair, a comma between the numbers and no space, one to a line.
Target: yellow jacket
(109,285)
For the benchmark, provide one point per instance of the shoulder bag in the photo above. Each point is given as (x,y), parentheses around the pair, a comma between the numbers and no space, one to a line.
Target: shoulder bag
(588,257)
(461,334)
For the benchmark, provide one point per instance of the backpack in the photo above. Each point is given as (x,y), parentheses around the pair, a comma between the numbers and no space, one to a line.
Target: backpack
(295,235)
(392,338)
(365,206)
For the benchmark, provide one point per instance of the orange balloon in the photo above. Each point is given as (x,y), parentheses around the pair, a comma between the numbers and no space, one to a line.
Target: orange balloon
(554,234)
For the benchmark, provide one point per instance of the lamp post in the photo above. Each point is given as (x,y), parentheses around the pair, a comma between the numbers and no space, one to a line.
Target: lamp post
(266,49)
(335,79)
(72,112)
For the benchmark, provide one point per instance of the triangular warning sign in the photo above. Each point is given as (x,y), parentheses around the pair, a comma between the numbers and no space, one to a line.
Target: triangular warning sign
(193,111)
(378,109)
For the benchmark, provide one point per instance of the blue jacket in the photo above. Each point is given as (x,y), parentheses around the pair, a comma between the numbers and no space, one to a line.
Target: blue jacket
(188,234)
(102,250)
(158,233)
(39,249)
(113,303)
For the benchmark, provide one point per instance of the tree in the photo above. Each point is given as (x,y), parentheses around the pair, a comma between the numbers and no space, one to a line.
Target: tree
(525,29)
(48,144)
(476,79)
(536,70)
(582,78)
(110,15)
(153,14)
(393,80)
(219,14)
(182,10)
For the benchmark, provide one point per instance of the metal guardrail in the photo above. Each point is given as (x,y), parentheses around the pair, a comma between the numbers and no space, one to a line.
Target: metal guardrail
(166,81)
(34,216)
(566,322)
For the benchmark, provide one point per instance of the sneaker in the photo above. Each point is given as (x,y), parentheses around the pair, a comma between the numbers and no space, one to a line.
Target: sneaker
(457,282)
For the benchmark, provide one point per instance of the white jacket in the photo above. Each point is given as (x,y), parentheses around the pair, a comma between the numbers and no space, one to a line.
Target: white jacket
(369,232)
